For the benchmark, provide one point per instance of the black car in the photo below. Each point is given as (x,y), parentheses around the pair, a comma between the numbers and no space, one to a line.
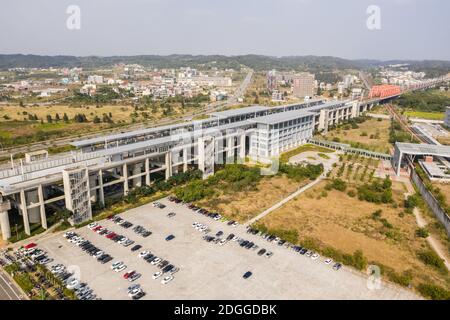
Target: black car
(168,268)
(247,275)
(148,257)
(230,222)
(230,236)
(163,264)
(249,245)
(261,252)
(136,247)
(218,234)
(244,243)
(139,295)
(145,234)
(170,237)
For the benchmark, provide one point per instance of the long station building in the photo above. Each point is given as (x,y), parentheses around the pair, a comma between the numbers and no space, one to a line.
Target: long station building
(35,187)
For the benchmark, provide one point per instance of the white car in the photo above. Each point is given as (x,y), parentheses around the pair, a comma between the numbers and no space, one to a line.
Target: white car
(116,264)
(72,284)
(92,225)
(120,268)
(167,279)
(217,218)
(123,240)
(143,254)
(235,238)
(203,228)
(235,224)
(98,254)
(156,261)
(315,256)
(57,269)
(194,224)
(222,242)
(134,292)
(328,261)
(157,275)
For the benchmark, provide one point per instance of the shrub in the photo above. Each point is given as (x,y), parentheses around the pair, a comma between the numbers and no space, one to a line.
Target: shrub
(422,233)
(351,193)
(433,292)
(430,258)
(376,214)
(337,184)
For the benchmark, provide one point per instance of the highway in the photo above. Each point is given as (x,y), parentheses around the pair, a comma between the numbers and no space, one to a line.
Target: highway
(8,289)
(215,106)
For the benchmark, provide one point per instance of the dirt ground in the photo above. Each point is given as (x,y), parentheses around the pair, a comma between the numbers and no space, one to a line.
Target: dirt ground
(445,189)
(346,224)
(362,135)
(242,206)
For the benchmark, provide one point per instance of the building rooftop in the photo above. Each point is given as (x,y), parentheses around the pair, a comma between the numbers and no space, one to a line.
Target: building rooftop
(423,149)
(281,116)
(240,111)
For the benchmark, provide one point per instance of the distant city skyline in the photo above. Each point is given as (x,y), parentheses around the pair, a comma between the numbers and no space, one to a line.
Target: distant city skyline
(409,29)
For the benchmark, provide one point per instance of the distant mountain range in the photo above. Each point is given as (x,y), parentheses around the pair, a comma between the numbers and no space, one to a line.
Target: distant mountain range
(256,62)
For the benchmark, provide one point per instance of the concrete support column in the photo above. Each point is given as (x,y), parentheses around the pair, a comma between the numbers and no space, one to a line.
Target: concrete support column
(34,214)
(4,219)
(230,150)
(42,206)
(168,165)
(101,192)
(137,182)
(147,171)
(242,148)
(125,177)
(23,207)
(185,160)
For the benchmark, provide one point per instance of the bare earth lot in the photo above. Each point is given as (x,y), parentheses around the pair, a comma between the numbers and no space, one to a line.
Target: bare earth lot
(346,224)
(242,206)
(379,130)
(210,271)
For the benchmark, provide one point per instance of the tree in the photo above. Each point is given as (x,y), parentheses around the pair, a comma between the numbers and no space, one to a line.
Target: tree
(49,118)
(65,117)
(96,119)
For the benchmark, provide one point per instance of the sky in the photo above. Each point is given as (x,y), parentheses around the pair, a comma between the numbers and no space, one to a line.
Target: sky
(408,29)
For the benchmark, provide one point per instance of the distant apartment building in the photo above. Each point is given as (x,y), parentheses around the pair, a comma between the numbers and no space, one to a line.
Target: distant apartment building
(447,117)
(303,85)
(271,80)
(95,79)
(277,96)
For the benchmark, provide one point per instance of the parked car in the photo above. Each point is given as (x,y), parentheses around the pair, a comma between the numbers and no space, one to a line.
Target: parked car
(247,275)
(170,237)
(136,247)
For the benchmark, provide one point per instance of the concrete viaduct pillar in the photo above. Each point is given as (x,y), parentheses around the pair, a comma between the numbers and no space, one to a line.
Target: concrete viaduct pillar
(185,160)
(4,219)
(101,192)
(168,165)
(42,206)
(147,172)
(23,207)
(125,181)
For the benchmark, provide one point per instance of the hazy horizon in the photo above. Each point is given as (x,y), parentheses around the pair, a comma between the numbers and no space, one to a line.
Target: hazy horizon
(410,29)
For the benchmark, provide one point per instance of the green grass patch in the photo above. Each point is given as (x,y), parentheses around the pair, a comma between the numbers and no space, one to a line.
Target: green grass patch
(306,147)
(425,115)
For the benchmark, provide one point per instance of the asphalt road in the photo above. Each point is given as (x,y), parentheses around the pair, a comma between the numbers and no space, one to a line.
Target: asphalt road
(8,289)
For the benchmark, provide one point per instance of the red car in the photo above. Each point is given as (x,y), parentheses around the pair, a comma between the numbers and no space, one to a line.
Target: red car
(129,274)
(97,228)
(111,235)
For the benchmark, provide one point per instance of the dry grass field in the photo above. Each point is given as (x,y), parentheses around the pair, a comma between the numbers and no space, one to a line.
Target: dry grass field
(346,224)
(242,206)
(371,134)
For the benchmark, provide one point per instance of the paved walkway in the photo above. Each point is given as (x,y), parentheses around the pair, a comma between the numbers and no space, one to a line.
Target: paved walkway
(299,158)
(435,244)
(282,202)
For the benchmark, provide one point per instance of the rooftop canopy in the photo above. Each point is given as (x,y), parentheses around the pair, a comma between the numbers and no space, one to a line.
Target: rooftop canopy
(423,149)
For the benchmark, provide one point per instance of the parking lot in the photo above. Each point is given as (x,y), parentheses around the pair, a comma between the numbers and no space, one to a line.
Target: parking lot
(208,270)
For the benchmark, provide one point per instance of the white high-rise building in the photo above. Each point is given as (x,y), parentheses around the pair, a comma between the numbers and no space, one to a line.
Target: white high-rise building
(447,117)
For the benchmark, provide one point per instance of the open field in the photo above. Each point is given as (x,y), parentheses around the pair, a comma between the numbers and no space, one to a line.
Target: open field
(425,115)
(336,221)
(16,128)
(242,206)
(207,270)
(371,134)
